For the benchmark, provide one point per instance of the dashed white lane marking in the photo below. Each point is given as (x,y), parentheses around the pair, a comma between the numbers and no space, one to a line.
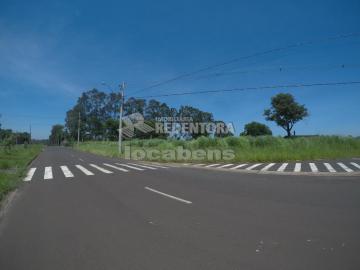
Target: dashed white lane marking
(211,165)
(355,165)
(168,195)
(48,173)
(297,167)
(116,167)
(329,167)
(238,166)
(346,168)
(253,166)
(30,174)
(66,171)
(226,165)
(282,167)
(100,168)
(267,167)
(129,166)
(143,166)
(313,167)
(84,170)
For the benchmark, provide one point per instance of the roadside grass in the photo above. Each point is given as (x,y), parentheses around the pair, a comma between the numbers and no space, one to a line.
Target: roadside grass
(246,149)
(13,164)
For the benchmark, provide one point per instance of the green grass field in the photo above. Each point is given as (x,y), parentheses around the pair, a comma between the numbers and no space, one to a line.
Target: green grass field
(249,149)
(13,165)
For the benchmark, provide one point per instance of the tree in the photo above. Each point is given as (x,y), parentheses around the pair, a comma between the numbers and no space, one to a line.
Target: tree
(57,134)
(285,112)
(256,129)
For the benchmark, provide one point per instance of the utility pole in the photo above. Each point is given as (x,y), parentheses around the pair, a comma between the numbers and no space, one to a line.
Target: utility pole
(78,141)
(122,91)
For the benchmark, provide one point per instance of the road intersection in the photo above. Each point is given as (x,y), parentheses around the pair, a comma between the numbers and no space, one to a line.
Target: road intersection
(178,217)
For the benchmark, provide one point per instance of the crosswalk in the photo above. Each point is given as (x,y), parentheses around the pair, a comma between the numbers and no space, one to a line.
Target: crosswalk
(71,171)
(297,167)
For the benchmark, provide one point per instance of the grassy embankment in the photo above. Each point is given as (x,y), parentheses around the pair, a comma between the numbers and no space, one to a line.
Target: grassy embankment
(249,149)
(13,165)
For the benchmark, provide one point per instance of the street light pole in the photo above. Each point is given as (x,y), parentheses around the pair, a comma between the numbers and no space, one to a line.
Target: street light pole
(122,91)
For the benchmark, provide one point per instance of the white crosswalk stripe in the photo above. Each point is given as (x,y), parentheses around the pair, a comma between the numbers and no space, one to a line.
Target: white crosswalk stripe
(84,170)
(346,168)
(267,167)
(100,169)
(67,173)
(48,173)
(212,165)
(329,167)
(226,165)
(253,166)
(30,174)
(116,167)
(297,167)
(313,167)
(157,166)
(282,167)
(143,166)
(238,166)
(355,165)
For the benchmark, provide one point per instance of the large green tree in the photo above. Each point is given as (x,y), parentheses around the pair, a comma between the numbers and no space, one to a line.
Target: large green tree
(285,112)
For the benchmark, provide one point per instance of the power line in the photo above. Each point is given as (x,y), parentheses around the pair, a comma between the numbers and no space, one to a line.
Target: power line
(273,69)
(252,88)
(291,46)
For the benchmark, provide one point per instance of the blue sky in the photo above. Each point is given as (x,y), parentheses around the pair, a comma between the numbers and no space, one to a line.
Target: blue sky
(51,51)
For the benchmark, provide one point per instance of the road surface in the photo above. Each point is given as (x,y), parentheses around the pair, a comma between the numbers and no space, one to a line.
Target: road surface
(81,211)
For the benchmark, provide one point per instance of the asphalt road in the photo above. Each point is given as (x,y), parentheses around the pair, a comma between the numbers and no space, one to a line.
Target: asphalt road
(177,218)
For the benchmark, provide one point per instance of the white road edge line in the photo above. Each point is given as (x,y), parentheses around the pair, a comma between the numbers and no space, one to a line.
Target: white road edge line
(66,171)
(48,173)
(168,195)
(100,169)
(30,174)
(346,168)
(84,170)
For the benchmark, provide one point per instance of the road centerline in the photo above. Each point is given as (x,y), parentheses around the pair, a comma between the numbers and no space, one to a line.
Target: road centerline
(168,195)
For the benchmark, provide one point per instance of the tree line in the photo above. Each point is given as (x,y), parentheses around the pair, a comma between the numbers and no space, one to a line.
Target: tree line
(8,137)
(97,115)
